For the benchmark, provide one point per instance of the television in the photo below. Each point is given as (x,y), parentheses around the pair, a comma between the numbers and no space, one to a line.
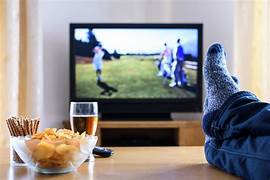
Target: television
(137,70)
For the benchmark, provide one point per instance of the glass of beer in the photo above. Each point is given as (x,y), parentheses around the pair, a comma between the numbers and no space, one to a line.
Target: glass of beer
(84,117)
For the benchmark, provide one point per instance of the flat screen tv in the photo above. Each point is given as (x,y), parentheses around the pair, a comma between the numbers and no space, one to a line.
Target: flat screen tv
(137,69)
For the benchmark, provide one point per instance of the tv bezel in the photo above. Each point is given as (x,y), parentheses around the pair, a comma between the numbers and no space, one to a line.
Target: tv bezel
(143,106)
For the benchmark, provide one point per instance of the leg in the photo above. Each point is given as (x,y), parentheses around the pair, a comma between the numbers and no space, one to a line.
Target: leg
(161,69)
(218,82)
(182,74)
(98,73)
(112,88)
(247,157)
(177,72)
(208,127)
(236,145)
(167,70)
(173,82)
(241,115)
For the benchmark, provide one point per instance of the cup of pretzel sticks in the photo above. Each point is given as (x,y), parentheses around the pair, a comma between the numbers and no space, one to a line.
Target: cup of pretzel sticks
(20,126)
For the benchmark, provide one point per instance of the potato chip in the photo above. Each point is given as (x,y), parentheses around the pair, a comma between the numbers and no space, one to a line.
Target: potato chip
(63,149)
(43,150)
(32,144)
(54,148)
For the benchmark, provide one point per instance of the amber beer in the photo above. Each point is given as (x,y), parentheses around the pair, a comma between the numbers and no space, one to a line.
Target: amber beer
(91,125)
(86,123)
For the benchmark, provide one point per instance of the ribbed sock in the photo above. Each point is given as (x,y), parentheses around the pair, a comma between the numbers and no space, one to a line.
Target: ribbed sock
(218,82)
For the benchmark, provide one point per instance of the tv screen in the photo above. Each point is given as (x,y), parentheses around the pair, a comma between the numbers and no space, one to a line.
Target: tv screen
(137,64)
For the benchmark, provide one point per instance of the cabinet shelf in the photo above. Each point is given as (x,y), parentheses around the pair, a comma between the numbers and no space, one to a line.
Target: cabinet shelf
(188,132)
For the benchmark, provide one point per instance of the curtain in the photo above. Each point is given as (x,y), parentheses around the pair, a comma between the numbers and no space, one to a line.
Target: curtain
(9,73)
(2,69)
(252,46)
(20,66)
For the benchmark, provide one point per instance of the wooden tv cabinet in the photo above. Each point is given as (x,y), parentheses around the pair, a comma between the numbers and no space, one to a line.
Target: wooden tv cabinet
(188,132)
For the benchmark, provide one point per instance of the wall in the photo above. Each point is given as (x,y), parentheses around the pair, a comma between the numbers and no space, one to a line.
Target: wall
(217,17)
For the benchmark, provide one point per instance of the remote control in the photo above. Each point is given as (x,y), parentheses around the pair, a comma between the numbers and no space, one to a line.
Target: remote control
(102,151)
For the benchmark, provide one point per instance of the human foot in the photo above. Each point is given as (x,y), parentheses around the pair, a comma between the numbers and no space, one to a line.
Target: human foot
(218,82)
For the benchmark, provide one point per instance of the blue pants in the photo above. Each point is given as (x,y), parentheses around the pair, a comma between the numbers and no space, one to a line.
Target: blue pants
(179,73)
(240,137)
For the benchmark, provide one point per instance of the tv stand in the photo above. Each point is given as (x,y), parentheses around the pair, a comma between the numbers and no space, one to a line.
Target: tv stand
(150,133)
(136,117)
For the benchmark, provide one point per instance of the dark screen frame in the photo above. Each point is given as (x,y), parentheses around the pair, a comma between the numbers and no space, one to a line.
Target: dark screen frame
(141,105)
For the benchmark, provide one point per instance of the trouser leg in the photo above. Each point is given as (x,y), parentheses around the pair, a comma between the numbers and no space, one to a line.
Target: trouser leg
(240,137)
(181,73)
(247,157)
(177,72)
(241,118)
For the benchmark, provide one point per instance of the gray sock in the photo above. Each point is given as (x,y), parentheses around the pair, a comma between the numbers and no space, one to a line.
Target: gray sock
(205,106)
(218,82)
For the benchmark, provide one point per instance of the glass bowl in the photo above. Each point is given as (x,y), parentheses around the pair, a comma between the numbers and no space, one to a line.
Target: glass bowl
(53,157)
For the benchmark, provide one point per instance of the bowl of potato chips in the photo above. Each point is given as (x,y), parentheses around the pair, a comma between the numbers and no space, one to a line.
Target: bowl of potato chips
(54,151)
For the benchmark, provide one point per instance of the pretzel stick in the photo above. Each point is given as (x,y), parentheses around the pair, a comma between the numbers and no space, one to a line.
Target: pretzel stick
(9,128)
(37,126)
(34,127)
(26,126)
(31,127)
(19,128)
(23,126)
(14,127)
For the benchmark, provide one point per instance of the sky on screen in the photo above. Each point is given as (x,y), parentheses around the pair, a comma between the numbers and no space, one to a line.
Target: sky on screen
(142,40)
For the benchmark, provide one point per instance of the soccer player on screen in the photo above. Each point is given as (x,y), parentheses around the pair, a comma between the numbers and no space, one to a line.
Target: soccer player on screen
(179,73)
(97,61)
(165,65)
(98,65)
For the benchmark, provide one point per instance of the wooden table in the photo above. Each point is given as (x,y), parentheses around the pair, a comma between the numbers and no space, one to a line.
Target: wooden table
(142,163)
